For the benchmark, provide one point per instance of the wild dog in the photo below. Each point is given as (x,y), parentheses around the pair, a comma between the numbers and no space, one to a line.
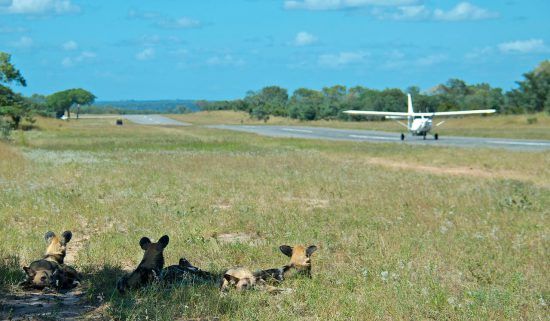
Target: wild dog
(300,258)
(51,271)
(150,267)
(184,270)
(242,278)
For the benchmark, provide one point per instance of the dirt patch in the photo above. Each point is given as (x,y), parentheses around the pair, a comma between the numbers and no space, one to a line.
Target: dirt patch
(44,306)
(238,237)
(222,206)
(455,171)
(18,304)
(311,203)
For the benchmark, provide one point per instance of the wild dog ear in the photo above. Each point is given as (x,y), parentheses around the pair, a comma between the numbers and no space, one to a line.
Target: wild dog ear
(29,271)
(144,242)
(48,236)
(310,250)
(67,236)
(230,278)
(287,250)
(164,241)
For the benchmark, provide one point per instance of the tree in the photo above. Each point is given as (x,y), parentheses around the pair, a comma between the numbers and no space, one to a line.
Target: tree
(12,104)
(533,93)
(305,104)
(271,100)
(62,101)
(8,72)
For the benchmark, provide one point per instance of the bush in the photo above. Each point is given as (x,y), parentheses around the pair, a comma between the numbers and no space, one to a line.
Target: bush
(5,129)
(532,120)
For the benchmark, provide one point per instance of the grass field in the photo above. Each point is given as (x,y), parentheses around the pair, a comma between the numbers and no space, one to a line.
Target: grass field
(536,126)
(444,233)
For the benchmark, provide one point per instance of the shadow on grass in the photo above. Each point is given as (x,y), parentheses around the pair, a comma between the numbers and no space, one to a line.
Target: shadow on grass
(189,299)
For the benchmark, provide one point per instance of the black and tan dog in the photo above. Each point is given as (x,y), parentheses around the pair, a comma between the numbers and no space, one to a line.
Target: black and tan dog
(183,271)
(150,267)
(300,258)
(51,271)
(242,278)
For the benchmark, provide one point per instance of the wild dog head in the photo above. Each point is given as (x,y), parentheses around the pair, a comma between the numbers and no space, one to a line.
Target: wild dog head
(149,268)
(243,279)
(300,257)
(239,277)
(46,272)
(41,274)
(57,246)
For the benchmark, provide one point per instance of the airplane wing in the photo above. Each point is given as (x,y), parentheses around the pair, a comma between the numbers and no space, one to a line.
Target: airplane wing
(375,113)
(462,112)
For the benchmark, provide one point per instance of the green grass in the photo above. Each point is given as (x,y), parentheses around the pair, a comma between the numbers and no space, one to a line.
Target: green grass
(401,234)
(534,126)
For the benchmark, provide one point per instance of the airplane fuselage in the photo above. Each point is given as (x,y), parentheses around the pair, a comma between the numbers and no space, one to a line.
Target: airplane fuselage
(420,126)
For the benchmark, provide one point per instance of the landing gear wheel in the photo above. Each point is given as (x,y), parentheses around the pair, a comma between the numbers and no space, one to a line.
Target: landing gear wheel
(402,136)
(436,136)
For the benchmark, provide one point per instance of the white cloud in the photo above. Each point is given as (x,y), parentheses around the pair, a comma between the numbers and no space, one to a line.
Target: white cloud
(35,7)
(225,60)
(5,29)
(341,59)
(430,60)
(70,45)
(404,13)
(464,11)
(23,42)
(84,56)
(479,53)
(180,23)
(146,54)
(342,4)
(523,46)
(304,38)
(397,9)
(163,21)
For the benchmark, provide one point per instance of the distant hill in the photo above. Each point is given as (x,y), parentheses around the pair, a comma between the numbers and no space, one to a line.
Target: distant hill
(161,106)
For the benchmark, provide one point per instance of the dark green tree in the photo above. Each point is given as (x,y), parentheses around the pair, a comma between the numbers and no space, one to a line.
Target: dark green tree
(63,101)
(12,105)
(533,92)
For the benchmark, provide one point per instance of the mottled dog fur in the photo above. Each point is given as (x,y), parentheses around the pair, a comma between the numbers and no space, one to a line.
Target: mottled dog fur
(184,271)
(150,267)
(242,278)
(51,271)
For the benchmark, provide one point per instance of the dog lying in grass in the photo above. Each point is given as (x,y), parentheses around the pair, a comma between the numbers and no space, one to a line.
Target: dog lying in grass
(242,278)
(150,267)
(51,271)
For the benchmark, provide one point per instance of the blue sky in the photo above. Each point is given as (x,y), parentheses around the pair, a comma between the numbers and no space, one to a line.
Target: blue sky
(207,49)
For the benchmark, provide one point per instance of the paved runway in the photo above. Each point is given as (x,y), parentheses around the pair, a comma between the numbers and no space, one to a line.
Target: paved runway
(378,136)
(154,120)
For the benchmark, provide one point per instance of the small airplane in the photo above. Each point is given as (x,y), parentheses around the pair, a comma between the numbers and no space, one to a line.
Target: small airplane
(418,124)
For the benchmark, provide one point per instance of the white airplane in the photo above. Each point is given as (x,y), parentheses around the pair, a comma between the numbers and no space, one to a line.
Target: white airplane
(418,124)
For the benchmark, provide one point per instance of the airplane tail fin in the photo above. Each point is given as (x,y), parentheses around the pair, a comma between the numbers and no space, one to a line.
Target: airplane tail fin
(410,111)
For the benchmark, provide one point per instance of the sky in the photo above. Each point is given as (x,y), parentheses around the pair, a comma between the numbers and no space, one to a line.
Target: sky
(220,49)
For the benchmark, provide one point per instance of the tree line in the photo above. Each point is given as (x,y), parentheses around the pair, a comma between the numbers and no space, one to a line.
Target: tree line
(15,108)
(532,95)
